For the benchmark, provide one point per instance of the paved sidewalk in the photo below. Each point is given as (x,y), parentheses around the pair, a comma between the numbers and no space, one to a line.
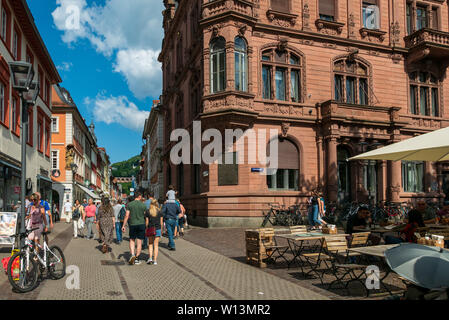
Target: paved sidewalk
(190,273)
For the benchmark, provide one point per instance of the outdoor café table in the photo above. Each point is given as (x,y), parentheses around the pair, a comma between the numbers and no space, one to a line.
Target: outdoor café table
(296,244)
(380,230)
(379,252)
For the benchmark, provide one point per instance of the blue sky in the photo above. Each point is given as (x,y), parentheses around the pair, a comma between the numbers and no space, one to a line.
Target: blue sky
(106,53)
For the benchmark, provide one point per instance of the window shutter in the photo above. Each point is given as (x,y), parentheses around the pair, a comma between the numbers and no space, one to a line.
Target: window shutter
(280,5)
(288,155)
(327,7)
(435,19)
(372,2)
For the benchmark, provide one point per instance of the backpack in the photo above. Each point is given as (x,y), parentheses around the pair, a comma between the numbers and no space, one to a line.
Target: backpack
(122,214)
(76,214)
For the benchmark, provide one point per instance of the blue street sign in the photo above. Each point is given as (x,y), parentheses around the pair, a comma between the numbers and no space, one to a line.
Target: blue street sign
(256,169)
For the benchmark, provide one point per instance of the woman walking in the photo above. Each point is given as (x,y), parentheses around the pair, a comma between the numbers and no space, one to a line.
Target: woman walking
(106,222)
(181,218)
(77,214)
(154,222)
(314,211)
(37,219)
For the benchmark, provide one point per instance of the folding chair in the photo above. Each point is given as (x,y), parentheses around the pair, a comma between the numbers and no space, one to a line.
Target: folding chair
(359,239)
(298,229)
(337,248)
(314,260)
(273,250)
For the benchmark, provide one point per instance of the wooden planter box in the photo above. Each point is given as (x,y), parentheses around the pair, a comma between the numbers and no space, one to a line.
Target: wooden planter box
(256,239)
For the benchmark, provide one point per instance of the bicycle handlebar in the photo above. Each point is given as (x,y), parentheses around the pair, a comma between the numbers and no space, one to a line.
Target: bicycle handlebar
(27,232)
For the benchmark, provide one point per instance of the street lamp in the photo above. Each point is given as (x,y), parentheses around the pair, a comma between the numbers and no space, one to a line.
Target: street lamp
(22,74)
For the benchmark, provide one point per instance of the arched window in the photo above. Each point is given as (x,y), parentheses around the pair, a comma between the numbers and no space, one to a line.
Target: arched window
(351,82)
(218,65)
(287,176)
(285,68)
(241,64)
(424,95)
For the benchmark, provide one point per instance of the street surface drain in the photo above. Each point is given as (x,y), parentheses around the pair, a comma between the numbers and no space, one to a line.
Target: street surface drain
(112,263)
(114,293)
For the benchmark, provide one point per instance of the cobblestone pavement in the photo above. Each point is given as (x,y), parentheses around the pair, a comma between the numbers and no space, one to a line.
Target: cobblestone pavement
(230,242)
(190,273)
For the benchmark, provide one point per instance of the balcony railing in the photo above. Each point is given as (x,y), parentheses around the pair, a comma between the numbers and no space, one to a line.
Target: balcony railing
(218,7)
(427,36)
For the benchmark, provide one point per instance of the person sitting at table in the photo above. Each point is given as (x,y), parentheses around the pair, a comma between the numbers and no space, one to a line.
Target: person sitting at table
(360,221)
(427,214)
(415,221)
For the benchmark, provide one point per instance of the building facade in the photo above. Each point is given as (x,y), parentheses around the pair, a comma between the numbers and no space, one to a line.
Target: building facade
(333,78)
(80,169)
(21,41)
(152,169)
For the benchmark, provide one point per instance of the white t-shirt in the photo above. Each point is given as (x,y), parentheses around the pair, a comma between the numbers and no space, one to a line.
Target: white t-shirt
(67,207)
(171,195)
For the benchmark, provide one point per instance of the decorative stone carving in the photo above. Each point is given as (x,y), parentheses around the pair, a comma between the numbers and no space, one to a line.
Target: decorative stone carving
(373,35)
(351,27)
(284,129)
(282,45)
(285,20)
(329,27)
(396,32)
(305,17)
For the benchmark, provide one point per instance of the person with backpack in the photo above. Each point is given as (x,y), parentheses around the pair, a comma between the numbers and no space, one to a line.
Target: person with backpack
(77,214)
(119,215)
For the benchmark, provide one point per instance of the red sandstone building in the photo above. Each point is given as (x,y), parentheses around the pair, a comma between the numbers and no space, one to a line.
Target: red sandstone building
(334,77)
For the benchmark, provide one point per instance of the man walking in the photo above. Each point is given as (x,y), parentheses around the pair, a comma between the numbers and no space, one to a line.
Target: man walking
(135,215)
(171,211)
(118,208)
(89,218)
(68,211)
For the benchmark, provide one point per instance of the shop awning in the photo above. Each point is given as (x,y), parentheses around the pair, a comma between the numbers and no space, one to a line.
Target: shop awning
(10,165)
(88,192)
(39,177)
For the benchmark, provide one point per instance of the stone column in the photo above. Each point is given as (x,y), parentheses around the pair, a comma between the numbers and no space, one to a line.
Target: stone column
(319,145)
(394,185)
(332,182)
(230,66)
(381,180)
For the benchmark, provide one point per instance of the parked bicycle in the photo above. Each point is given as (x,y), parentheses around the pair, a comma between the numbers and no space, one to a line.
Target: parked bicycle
(25,276)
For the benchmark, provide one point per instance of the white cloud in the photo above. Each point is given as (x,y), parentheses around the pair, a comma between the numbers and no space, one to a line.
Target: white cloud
(65,66)
(117,110)
(140,68)
(129,30)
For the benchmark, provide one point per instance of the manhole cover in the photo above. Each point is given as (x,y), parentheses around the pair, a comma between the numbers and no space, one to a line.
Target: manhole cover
(112,263)
(114,293)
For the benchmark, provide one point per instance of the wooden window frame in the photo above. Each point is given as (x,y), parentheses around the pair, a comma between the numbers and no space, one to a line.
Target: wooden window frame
(30,136)
(41,82)
(47,137)
(288,67)
(40,137)
(345,74)
(57,159)
(336,16)
(5,121)
(427,84)
(7,41)
(15,123)
(16,30)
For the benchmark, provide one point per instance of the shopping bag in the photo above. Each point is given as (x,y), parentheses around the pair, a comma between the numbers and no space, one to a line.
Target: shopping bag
(80,224)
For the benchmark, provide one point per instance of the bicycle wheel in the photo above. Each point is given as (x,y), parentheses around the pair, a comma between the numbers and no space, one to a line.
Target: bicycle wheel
(25,273)
(56,263)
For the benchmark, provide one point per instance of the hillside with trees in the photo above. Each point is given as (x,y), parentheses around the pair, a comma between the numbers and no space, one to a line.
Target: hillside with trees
(127,168)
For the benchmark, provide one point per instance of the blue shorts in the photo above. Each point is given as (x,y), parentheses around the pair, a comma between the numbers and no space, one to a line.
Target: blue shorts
(158,233)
